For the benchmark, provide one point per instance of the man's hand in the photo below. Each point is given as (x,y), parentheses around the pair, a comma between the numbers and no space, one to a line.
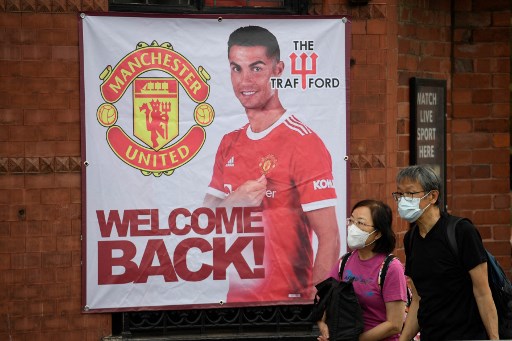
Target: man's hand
(484,301)
(249,194)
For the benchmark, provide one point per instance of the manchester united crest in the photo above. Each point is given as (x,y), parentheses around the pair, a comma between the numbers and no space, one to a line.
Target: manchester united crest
(155,104)
(267,164)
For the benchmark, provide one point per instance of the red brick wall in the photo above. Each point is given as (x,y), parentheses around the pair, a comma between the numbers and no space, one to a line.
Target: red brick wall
(424,40)
(400,39)
(372,95)
(477,70)
(40,193)
(480,174)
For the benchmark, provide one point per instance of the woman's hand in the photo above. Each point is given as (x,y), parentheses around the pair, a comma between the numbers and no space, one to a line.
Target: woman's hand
(324,330)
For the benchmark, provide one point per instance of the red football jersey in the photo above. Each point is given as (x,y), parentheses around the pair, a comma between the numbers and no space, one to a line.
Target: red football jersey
(298,169)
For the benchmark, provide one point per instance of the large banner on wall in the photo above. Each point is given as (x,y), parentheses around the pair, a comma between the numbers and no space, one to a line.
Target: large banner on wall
(214,170)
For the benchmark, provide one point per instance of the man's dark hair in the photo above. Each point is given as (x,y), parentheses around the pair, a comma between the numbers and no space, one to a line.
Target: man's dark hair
(382,217)
(424,175)
(255,36)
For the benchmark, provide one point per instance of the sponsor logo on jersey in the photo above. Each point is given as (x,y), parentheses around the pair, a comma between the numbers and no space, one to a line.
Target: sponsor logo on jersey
(270,193)
(323,184)
(155,106)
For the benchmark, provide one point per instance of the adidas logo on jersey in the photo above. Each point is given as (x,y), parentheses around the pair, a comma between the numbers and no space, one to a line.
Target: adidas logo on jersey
(231,162)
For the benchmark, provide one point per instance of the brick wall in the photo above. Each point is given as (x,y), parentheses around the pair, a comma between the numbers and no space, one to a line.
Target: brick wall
(477,70)
(40,185)
(372,97)
(400,39)
(424,40)
(480,174)
(40,189)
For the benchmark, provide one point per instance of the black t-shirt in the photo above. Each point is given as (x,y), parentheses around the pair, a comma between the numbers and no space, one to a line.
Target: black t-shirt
(448,310)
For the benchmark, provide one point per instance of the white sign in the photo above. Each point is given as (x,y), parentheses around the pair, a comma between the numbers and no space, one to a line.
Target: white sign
(211,177)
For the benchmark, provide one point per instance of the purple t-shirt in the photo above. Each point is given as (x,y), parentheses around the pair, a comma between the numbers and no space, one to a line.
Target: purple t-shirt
(366,286)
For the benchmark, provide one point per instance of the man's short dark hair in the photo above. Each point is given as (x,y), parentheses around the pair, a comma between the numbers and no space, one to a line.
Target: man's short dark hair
(255,36)
(422,174)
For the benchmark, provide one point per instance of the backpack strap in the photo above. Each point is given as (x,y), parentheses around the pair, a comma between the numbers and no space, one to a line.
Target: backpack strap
(382,276)
(344,260)
(450,233)
(384,270)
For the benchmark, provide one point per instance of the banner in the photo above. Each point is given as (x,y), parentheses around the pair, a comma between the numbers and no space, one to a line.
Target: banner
(214,169)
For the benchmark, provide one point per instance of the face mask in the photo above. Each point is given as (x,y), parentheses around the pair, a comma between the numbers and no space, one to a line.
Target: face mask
(356,237)
(410,209)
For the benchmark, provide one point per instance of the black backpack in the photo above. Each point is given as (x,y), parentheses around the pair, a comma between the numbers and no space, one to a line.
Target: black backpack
(500,285)
(326,288)
(344,315)
(382,276)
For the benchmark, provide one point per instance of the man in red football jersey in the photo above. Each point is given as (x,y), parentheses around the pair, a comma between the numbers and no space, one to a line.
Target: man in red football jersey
(278,163)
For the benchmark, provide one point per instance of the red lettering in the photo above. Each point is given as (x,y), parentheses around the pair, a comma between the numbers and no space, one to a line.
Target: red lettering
(153,221)
(196,227)
(134,219)
(156,247)
(253,220)
(172,221)
(106,262)
(258,246)
(146,222)
(222,220)
(137,219)
(229,221)
(113,219)
(223,258)
(180,259)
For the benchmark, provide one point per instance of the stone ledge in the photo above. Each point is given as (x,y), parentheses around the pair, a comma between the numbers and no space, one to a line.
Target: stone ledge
(40,165)
(53,6)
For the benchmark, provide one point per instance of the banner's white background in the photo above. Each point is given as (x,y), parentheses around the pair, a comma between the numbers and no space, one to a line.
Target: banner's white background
(111,184)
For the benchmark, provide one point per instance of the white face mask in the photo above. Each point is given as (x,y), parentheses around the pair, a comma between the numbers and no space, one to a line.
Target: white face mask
(356,238)
(410,209)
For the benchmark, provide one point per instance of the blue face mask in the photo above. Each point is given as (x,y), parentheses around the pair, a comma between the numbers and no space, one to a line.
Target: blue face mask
(410,209)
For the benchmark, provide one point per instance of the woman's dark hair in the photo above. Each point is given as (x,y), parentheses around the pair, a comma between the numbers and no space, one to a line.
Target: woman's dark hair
(382,217)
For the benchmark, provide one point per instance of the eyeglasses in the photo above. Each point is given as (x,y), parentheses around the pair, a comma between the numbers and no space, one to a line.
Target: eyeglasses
(407,195)
(351,221)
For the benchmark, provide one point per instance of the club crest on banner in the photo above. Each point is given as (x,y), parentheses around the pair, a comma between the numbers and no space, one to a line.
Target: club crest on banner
(155,108)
